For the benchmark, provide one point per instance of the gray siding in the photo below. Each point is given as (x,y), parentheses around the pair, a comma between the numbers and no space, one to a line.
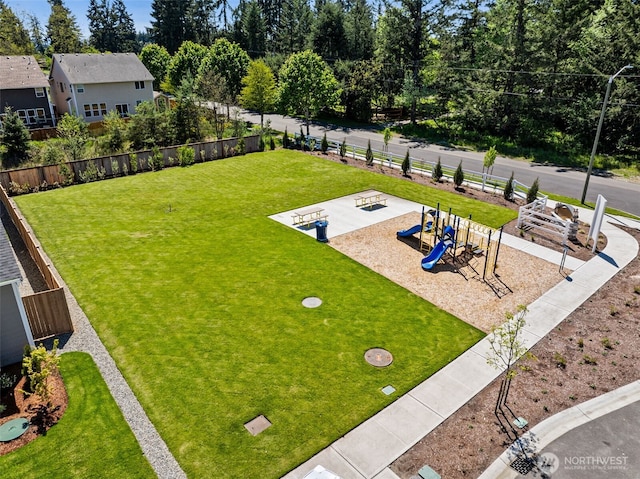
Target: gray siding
(24,99)
(13,337)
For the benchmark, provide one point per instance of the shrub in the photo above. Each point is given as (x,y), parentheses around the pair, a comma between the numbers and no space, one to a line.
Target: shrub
(324,145)
(606,343)
(560,360)
(489,158)
(115,167)
(589,360)
(343,153)
(458,176)
(133,160)
(303,140)
(156,161)
(90,173)
(581,343)
(186,155)
(369,155)
(37,365)
(532,194)
(241,147)
(406,164)
(437,172)
(66,174)
(508,189)
(272,143)
(285,139)
(261,144)
(7,381)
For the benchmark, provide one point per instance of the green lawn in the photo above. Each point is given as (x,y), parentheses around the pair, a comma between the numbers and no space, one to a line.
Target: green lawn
(196,294)
(92,440)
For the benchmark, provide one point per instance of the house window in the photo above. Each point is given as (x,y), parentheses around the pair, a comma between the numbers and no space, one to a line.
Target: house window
(79,88)
(95,109)
(139,85)
(138,102)
(122,109)
(61,87)
(40,92)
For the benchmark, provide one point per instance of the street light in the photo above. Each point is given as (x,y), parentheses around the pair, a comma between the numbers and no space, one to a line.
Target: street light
(595,143)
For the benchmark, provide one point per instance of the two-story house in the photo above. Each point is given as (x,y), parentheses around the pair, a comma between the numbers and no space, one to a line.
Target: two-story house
(89,85)
(24,87)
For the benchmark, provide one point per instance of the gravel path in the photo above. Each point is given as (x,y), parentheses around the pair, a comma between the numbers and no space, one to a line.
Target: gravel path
(85,339)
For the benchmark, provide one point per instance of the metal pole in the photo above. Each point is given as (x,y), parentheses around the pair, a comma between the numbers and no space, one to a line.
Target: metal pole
(595,142)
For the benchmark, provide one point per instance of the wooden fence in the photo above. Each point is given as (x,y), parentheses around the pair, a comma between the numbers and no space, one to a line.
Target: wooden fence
(47,311)
(27,180)
(533,216)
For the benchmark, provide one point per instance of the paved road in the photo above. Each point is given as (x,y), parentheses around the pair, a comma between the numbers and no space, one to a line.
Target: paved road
(620,194)
(605,447)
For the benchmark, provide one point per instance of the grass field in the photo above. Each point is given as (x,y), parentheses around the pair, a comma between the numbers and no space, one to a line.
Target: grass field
(92,440)
(196,294)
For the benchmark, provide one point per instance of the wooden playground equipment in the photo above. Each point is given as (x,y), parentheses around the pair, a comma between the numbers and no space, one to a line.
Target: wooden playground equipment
(476,246)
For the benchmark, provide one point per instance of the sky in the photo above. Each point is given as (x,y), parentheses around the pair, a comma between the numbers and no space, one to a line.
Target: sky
(140,11)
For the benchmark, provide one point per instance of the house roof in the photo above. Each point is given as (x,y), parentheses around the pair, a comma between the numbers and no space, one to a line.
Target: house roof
(23,71)
(87,68)
(9,270)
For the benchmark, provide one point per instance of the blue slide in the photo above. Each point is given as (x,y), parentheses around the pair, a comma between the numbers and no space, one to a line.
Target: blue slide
(430,261)
(413,230)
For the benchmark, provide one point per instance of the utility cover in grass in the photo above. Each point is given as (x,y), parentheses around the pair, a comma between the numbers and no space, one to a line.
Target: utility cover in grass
(378,357)
(311,302)
(257,425)
(388,390)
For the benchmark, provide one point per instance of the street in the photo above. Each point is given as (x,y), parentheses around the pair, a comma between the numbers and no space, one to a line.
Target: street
(622,195)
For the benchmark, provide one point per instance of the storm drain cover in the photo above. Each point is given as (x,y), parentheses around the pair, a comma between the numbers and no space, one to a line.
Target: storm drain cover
(311,302)
(523,465)
(378,357)
(257,425)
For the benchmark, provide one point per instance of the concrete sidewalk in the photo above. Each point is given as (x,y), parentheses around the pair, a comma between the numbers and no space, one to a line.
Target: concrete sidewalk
(368,450)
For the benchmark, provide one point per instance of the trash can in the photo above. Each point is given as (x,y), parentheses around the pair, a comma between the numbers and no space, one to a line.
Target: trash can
(321,231)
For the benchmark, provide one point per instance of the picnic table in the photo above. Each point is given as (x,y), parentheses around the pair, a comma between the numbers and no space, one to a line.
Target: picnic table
(307,216)
(369,199)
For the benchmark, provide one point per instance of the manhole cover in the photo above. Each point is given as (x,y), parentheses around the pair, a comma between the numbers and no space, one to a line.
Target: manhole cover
(311,302)
(378,357)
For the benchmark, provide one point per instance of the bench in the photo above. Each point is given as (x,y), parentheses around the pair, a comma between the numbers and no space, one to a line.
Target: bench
(370,200)
(308,216)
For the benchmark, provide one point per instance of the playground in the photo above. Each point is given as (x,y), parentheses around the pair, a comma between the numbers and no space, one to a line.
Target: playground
(458,287)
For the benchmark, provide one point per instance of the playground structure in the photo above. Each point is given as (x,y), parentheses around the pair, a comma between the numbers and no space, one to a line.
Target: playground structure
(444,235)
(563,222)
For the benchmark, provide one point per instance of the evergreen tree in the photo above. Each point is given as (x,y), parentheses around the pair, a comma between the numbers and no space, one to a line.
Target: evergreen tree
(296,22)
(508,189)
(170,26)
(101,25)
(185,116)
(63,33)
(458,176)
(532,194)
(343,148)
(125,31)
(406,164)
(328,35)
(324,145)
(437,172)
(254,34)
(271,13)
(359,31)
(37,37)
(201,21)
(15,138)
(285,138)
(14,37)
(369,154)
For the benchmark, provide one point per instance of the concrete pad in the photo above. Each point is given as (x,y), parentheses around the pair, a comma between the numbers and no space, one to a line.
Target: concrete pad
(330,459)
(567,296)
(543,317)
(472,371)
(408,420)
(370,448)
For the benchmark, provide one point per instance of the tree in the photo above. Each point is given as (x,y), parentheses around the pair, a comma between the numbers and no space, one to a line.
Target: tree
(14,38)
(185,62)
(508,189)
(386,136)
(358,26)
(156,58)
(307,85)
(185,116)
(506,347)
(328,34)
(285,138)
(37,37)
(437,172)
(458,176)
(230,62)
(149,126)
(489,159)
(74,133)
(125,30)
(406,164)
(63,33)
(361,82)
(532,194)
(324,145)
(259,92)
(15,138)
(101,25)
(369,154)
(201,21)
(169,26)
(115,130)
(343,148)
(296,22)
(253,31)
